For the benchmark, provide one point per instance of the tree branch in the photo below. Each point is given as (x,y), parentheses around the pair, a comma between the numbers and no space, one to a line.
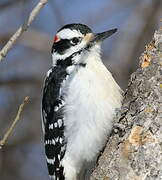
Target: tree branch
(7,134)
(134,147)
(21,29)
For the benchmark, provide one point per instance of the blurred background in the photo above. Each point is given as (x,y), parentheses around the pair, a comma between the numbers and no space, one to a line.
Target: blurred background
(22,72)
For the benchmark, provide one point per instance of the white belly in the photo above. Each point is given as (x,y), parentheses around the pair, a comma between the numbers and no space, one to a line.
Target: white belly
(91,100)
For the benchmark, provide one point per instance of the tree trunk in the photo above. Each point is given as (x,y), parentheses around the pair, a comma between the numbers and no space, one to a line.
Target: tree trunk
(134,149)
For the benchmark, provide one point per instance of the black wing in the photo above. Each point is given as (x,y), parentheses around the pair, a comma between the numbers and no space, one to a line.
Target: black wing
(53,121)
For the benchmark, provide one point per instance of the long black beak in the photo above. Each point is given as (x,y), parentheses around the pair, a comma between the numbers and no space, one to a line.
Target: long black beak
(101,36)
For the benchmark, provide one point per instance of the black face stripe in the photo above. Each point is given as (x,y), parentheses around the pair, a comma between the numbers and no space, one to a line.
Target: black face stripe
(82,64)
(61,46)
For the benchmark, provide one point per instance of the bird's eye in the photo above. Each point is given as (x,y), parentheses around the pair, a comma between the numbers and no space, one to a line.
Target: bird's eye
(75,40)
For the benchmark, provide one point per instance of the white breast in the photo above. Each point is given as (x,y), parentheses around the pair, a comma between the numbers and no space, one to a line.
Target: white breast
(92,96)
(91,100)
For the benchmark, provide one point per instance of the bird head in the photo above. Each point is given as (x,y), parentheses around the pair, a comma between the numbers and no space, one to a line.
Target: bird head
(73,38)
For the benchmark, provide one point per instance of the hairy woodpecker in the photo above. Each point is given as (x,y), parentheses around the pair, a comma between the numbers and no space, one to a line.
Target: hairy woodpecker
(80,98)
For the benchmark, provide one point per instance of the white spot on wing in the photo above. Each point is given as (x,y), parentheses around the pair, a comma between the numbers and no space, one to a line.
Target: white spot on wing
(50,161)
(57,139)
(62,102)
(53,141)
(62,148)
(55,124)
(59,156)
(60,140)
(51,126)
(59,122)
(50,142)
(56,108)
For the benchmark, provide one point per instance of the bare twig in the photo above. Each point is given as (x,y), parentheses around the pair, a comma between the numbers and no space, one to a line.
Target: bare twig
(21,29)
(7,134)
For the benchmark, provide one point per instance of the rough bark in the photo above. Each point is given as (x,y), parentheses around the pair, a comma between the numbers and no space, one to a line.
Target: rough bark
(134,149)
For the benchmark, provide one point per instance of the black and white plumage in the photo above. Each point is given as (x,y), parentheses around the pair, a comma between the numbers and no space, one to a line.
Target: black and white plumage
(80,98)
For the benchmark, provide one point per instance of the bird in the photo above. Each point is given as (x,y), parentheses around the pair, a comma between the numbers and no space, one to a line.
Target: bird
(80,100)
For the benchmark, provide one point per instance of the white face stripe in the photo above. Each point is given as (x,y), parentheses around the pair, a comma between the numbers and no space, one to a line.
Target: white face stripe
(69,34)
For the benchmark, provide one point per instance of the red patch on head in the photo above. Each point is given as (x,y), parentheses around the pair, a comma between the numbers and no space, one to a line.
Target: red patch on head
(56,38)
